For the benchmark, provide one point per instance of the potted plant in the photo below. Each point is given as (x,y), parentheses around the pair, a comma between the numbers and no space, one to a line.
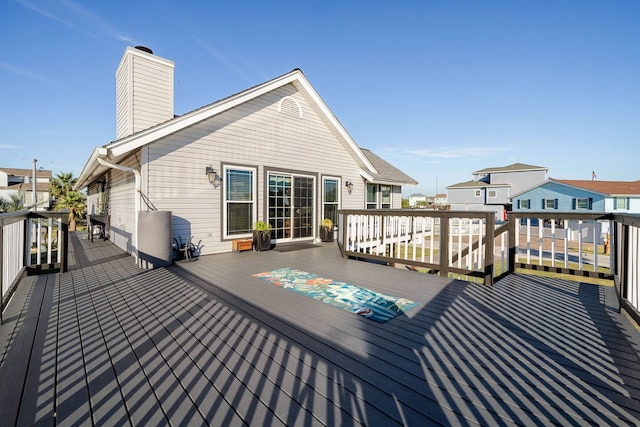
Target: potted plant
(262,236)
(326,230)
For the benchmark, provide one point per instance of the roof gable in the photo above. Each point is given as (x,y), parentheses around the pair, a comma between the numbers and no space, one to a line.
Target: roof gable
(515,167)
(118,150)
(604,188)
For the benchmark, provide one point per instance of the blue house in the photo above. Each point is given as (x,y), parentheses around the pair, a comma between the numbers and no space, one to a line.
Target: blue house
(580,195)
(574,196)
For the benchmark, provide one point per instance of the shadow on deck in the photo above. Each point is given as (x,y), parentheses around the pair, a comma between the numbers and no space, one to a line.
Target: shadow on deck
(206,343)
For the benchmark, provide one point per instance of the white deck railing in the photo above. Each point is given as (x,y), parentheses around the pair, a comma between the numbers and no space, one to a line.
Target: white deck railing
(34,241)
(419,239)
(471,246)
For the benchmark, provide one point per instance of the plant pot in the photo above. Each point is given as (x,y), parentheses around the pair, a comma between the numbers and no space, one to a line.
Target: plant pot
(326,234)
(261,240)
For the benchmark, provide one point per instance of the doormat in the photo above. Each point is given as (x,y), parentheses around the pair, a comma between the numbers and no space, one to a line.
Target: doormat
(297,246)
(367,303)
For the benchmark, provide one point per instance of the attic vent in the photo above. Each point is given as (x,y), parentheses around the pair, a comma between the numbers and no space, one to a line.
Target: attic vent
(290,106)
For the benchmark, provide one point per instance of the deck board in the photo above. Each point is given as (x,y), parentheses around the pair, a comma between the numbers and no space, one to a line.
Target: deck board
(206,343)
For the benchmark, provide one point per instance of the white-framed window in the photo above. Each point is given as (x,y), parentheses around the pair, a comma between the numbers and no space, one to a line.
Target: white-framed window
(385,196)
(239,200)
(379,196)
(621,204)
(477,193)
(330,198)
(583,204)
(524,203)
(550,203)
(492,194)
(372,196)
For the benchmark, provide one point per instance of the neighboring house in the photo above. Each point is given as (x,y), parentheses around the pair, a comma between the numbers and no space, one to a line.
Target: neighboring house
(273,152)
(571,196)
(491,188)
(20,181)
(417,198)
(440,201)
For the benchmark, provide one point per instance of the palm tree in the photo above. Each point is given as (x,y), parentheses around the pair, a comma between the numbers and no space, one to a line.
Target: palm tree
(13,205)
(74,201)
(61,189)
(61,184)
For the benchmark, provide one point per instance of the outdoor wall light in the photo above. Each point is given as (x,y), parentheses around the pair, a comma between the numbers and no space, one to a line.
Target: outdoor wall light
(213,176)
(349,186)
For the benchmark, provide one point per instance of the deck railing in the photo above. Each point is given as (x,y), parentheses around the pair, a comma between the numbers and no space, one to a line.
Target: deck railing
(30,242)
(626,264)
(443,242)
(472,246)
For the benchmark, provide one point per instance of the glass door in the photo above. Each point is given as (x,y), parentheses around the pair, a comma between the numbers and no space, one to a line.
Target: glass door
(291,206)
(303,207)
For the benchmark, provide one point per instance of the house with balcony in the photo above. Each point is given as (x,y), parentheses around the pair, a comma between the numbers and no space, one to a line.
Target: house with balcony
(491,188)
(16,181)
(273,152)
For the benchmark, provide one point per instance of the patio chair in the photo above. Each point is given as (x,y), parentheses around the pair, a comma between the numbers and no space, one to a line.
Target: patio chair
(184,250)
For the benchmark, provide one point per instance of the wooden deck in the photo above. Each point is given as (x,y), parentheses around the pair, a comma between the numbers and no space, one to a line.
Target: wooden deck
(205,343)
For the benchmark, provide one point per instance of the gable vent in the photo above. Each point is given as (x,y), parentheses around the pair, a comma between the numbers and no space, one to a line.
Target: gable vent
(290,106)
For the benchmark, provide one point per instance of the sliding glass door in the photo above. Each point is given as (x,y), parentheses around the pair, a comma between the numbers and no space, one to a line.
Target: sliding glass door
(291,206)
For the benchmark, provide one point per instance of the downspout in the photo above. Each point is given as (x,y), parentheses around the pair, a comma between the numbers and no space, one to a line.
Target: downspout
(138,180)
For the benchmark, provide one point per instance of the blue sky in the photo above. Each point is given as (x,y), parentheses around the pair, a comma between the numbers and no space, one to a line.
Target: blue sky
(438,88)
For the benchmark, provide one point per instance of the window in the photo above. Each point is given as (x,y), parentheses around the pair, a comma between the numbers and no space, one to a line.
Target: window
(239,197)
(372,196)
(524,203)
(477,193)
(385,196)
(583,204)
(621,203)
(493,194)
(550,203)
(330,201)
(378,196)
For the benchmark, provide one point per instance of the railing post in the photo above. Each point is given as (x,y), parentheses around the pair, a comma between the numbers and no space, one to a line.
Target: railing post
(444,246)
(489,243)
(511,268)
(64,262)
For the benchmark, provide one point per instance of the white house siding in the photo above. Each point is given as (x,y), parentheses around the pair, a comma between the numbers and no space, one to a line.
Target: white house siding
(93,199)
(396,197)
(253,134)
(144,92)
(122,206)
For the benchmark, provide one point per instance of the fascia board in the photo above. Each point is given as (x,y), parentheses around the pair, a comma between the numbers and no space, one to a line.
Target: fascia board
(336,123)
(90,168)
(366,175)
(124,146)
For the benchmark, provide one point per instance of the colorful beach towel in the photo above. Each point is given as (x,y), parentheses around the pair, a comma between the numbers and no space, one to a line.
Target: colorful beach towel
(364,302)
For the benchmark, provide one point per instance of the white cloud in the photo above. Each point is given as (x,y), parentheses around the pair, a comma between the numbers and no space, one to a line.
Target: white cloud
(86,15)
(24,72)
(457,152)
(96,19)
(8,147)
(52,16)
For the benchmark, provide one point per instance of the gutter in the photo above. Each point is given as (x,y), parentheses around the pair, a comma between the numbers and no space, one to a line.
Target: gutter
(138,181)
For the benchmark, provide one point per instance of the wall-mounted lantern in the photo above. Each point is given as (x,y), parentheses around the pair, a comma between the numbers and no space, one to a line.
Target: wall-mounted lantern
(213,176)
(349,186)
